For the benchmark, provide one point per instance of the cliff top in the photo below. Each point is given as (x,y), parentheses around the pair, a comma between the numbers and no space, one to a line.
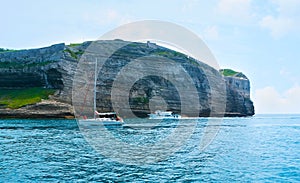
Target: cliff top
(232,73)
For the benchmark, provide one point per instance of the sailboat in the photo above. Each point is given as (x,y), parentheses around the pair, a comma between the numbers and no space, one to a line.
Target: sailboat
(108,118)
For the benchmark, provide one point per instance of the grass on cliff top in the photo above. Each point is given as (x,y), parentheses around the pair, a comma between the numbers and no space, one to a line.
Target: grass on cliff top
(16,98)
(228,72)
(74,44)
(2,50)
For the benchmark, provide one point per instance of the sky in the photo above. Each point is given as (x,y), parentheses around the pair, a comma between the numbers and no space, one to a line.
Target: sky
(257,37)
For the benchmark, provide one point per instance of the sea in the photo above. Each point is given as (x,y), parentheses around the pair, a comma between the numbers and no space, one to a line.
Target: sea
(263,148)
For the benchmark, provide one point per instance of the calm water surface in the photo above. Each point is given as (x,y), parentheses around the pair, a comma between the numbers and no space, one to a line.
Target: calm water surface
(265,148)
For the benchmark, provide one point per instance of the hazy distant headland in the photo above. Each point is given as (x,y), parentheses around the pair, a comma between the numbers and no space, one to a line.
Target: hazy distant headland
(37,83)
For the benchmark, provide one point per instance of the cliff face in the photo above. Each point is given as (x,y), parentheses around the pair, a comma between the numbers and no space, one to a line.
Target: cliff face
(49,67)
(29,68)
(54,67)
(238,101)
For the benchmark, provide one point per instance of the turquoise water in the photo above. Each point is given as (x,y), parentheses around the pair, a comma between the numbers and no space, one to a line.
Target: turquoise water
(265,148)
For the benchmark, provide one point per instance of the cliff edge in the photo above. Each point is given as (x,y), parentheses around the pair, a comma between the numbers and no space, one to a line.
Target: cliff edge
(54,68)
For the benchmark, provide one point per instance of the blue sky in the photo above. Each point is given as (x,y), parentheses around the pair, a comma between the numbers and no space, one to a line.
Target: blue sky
(258,37)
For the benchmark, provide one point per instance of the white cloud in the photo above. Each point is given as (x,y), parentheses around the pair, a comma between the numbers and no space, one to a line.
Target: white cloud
(285,21)
(278,26)
(112,15)
(211,32)
(291,76)
(106,17)
(284,72)
(235,8)
(269,100)
(288,7)
(189,5)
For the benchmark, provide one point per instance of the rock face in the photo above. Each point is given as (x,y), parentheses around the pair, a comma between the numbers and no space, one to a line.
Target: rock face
(55,66)
(238,101)
(29,68)
(44,109)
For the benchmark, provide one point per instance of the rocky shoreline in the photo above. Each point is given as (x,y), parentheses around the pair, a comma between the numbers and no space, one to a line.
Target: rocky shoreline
(51,109)
(46,109)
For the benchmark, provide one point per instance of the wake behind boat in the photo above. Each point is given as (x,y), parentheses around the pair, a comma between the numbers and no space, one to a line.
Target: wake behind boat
(164,115)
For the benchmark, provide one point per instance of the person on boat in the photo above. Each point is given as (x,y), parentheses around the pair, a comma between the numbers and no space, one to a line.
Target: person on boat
(118,118)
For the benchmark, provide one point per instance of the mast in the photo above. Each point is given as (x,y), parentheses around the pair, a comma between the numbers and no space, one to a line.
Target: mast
(95,88)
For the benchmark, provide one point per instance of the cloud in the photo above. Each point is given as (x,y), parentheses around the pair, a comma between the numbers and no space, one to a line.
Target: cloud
(289,75)
(287,7)
(235,8)
(112,15)
(279,26)
(106,17)
(189,5)
(269,100)
(284,72)
(211,32)
(286,19)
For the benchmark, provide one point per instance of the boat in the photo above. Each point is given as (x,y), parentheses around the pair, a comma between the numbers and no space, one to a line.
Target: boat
(164,115)
(108,118)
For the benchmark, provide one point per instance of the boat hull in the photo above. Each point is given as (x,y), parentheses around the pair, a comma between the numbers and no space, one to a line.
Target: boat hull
(155,116)
(160,117)
(98,122)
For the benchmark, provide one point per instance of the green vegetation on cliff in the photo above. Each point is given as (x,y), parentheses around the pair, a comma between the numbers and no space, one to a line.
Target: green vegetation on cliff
(73,54)
(228,72)
(74,44)
(140,100)
(16,98)
(6,50)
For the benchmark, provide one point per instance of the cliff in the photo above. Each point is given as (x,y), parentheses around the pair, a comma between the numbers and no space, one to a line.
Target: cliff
(54,68)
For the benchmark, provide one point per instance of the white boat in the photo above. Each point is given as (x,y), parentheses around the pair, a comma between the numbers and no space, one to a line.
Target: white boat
(108,118)
(164,115)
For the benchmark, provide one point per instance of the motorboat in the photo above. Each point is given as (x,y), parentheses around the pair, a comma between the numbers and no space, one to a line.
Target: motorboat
(164,115)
